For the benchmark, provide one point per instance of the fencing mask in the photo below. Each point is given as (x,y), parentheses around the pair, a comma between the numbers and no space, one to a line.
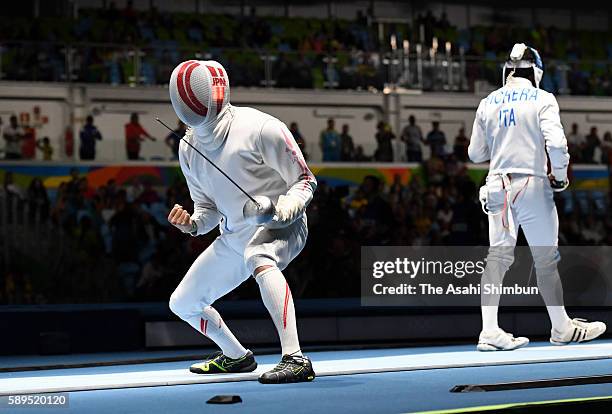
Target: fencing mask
(199,91)
(524,62)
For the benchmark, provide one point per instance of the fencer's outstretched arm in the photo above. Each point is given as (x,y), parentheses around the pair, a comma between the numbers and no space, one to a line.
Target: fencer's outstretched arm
(556,143)
(478,150)
(280,152)
(205,214)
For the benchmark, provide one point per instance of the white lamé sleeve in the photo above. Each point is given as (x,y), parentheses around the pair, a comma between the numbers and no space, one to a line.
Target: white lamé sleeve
(478,150)
(556,143)
(280,152)
(205,213)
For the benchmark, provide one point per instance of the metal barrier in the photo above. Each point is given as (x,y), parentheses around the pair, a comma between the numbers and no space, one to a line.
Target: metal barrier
(412,66)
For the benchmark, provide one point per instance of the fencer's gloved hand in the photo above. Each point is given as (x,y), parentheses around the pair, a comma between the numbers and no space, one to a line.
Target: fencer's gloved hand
(181,219)
(558,184)
(483,197)
(288,209)
(258,211)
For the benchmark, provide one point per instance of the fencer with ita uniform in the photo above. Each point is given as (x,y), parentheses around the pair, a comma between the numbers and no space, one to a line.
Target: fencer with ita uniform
(259,153)
(518,129)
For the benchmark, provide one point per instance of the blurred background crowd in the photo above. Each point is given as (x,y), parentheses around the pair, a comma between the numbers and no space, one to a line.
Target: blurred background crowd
(122,45)
(72,242)
(114,242)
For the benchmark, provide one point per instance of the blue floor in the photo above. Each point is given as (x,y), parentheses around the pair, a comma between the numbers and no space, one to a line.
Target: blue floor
(389,392)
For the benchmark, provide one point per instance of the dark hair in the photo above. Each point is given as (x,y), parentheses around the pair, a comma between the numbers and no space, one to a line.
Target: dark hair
(526,73)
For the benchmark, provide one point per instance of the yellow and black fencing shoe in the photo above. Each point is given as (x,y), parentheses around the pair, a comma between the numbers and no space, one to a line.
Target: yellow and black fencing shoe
(292,368)
(220,364)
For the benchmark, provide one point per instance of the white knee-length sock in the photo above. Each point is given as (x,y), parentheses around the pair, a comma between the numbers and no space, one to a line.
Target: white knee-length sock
(276,295)
(551,289)
(489,318)
(558,318)
(493,275)
(211,325)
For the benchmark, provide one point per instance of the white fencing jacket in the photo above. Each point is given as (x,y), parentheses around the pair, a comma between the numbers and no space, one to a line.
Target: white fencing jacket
(517,128)
(259,153)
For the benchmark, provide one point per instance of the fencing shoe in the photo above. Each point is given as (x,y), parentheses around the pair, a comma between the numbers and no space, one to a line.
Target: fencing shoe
(499,340)
(579,331)
(219,364)
(290,369)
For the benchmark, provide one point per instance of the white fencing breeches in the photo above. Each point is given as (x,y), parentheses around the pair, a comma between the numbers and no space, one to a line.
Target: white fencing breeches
(223,266)
(530,205)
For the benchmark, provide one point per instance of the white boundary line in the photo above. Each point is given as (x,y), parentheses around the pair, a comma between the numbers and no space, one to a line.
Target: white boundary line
(19,386)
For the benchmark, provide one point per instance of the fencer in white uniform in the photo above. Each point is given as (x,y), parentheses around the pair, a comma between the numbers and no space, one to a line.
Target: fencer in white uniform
(259,153)
(517,129)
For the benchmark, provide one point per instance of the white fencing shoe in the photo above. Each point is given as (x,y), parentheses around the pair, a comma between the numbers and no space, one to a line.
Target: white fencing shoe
(579,331)
(499,340)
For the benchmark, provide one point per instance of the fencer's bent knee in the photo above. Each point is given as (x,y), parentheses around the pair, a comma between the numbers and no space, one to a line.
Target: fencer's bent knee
(256,261)
(504,255)
(185,306)
(545,259)
(175,305)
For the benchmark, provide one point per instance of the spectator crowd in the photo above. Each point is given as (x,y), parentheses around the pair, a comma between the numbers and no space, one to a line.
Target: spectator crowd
(301,48)
(19,137)
(20,142)
(125,249)
(408,146)
(116,237)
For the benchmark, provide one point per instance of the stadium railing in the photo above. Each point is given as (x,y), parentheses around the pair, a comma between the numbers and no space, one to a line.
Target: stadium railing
(415,67)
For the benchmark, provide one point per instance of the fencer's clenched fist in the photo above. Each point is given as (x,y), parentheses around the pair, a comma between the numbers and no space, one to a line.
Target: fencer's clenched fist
(181,219)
